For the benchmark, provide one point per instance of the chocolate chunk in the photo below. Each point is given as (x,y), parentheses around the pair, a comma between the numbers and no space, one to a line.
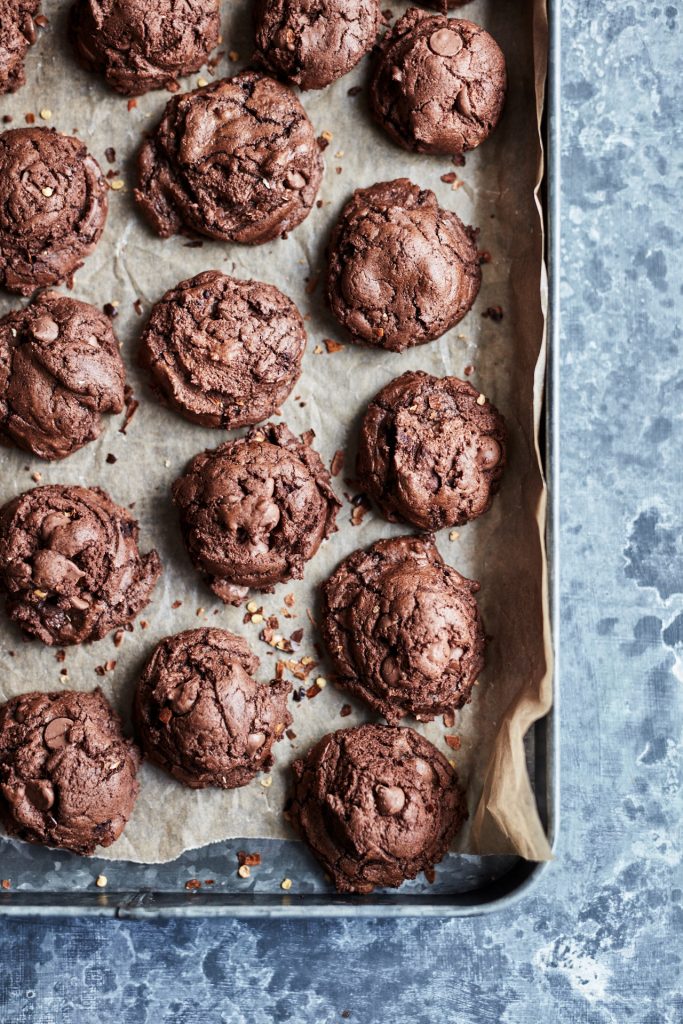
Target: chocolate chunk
(403,629)
(401,270)
(223,352)
(60,369)
(429,453)
(140,45)
(438,84)
(314,42)
(368,812)
(17,33)
(70,744)
(253,511)
(70,565)
(53,206)
(222,729)
(262,134)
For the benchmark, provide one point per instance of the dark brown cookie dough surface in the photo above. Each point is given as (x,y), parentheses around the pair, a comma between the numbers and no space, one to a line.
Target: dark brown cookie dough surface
(237,161)
(17,33)
(403,629)
(253,511)
(70,565)
(140,45)
(202,716)
(431,451)
(401,270)
(223,352)
(67,772)
(377,805)
(438,84)
(60,369)
(53,206)
(314,42)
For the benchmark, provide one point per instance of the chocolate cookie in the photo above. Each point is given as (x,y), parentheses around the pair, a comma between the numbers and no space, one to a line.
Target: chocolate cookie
(401,271)
(439,83)
(314,42)
(202,716)
(376,805)
(222,352)
(431,451)
(237,161)
(17,33)
(60,369)
(254,510)
(403,629)
(67,772)
(70,565)
(140,45)
(53,205)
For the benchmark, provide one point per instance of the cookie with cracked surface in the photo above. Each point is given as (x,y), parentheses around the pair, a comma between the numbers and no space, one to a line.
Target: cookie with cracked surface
(439,83)
(431,451)
(60,370)
(403,629)
(401,270)
(312,43)
(202,716)
(70,565)
(237,161)
(254,510)
(376,805)
(223,352)
(67,772)
(53,206)
(17,33)
(140,45)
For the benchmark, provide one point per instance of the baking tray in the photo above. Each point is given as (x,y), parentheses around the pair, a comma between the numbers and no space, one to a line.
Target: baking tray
(51,882)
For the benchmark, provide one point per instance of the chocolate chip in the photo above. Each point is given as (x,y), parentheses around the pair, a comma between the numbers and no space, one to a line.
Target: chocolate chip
(390,799)
(445,43)
(41,794)
(489,453)
(255,741)
(185,696)
(56,734)
(462,102)
(45,329)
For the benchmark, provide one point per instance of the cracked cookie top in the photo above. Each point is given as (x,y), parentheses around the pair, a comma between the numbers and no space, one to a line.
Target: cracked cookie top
(237,161)
(60,369)
(17,33)
(53,206)
(70,565)
(376,805)
(67,772)
(314,42)
(439,83)
(402,629)
(253,511)
(431,451)
(202,716)
(223,352)
(140,45)
(401,270)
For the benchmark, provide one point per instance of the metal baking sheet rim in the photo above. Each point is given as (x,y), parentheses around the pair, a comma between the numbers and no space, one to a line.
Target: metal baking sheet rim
(515,883)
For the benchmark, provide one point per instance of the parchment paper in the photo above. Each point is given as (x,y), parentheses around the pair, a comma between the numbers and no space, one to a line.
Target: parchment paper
(503,549)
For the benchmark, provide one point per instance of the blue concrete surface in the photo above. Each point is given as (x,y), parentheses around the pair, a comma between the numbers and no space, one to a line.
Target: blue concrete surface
(600,939)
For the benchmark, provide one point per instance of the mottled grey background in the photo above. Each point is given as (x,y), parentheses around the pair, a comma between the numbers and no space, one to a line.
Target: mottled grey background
(600,938)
